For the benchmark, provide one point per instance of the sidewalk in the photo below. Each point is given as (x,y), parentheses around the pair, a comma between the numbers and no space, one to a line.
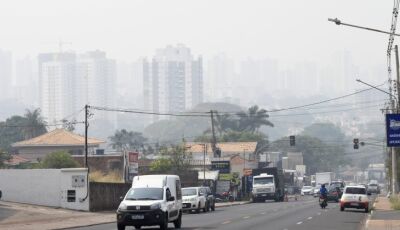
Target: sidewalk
(31,217)
(383,217)
(228,204)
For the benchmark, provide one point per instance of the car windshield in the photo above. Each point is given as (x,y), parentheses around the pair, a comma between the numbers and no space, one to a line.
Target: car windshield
(264,180)
(355,190)
(337,184)
(307,187)
(144,194)
(370,185)
(189,192)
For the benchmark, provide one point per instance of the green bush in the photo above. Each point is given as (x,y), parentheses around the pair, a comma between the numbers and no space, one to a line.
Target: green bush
(58,160)
(395,201)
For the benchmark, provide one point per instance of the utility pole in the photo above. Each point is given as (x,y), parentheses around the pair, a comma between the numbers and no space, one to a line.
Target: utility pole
(214,139)
(86,134)
(394,150)
(204,163)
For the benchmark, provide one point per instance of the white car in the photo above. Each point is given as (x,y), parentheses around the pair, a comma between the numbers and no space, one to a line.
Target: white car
(194,198)
(316,191)
(307,190)
(355,197)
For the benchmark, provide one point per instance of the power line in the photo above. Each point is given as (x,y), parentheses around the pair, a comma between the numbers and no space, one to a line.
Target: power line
(148,113)
(45,125)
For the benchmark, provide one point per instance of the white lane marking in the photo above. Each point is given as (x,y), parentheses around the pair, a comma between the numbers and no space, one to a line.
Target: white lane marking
(285,229)
(299,222)
(226,222)
(263,213)
(309,218)
(246,217)
(319,214)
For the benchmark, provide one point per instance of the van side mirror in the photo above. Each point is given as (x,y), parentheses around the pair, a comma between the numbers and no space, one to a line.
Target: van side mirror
(121,198)
(171,198)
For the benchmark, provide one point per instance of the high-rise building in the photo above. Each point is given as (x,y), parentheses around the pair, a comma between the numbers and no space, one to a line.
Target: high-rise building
(26,82)
(68,81)
(5,73)
(57,74)
(172,80)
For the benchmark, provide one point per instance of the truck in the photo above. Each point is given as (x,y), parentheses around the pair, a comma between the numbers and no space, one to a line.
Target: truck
(323,178)
(268,184)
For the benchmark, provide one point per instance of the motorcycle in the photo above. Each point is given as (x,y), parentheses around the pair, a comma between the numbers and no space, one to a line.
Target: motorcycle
(224,197)
(323,202)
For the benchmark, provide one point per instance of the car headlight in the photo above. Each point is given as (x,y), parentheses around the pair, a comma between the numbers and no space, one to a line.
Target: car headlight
(123,207)
(193,199)
(155,206)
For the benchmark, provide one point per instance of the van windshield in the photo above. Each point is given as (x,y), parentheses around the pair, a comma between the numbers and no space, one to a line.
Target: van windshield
(145,194)
(189,192)
(264,180)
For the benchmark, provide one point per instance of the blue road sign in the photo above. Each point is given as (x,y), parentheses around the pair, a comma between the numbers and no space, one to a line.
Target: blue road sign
(393,130)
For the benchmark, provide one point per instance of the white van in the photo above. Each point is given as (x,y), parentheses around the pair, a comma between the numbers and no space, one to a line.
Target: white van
(152,200)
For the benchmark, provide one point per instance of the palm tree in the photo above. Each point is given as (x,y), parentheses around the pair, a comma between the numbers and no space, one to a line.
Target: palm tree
(124,140)
(253,119)
(34,124)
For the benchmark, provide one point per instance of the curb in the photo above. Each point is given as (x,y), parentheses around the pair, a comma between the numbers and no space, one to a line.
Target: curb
(85,225)
(232,204)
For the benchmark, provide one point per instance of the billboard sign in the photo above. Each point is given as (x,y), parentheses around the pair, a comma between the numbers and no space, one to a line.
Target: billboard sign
(132,164)
(393,130)
(222,166)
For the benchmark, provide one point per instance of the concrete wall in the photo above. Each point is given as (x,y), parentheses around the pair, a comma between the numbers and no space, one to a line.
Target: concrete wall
(48,187)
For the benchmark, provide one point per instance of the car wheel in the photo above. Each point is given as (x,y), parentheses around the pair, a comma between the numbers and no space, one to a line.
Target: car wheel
(341,209)
(198,208)
(178,222)
(205,207)
(366,210)
(121,227)
(164,224)
(213,207)
(208,206)
(138,227)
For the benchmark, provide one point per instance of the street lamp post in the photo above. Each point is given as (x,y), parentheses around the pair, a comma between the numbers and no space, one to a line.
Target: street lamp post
(391,33)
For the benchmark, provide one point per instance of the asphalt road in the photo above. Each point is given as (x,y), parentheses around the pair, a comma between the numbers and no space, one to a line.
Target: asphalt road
(6,212)
(294,215)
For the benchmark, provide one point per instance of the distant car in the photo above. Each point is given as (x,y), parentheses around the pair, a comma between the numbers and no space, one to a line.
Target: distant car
(373,188)
(340,184)
(306,190)
(334,193)
(194,198)
(210,199)
(355,197)
(316,191)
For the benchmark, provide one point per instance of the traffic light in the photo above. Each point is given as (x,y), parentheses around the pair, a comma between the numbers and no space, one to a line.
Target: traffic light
(355,142)
(292,140)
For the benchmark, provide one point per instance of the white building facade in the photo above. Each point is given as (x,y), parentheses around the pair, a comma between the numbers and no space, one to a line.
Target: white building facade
(68,81)
(172,80)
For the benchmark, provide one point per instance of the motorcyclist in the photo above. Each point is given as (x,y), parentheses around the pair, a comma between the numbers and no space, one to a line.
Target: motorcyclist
(323,191)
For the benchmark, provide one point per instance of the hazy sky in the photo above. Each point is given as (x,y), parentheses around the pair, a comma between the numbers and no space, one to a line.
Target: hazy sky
(291,30)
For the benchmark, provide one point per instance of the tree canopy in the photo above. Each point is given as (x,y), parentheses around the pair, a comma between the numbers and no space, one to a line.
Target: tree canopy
(19,128)
(58,160)
(174,159)
(317,155)
(124,140)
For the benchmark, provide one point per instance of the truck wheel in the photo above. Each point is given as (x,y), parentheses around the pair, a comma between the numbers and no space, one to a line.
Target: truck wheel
(138,226)
(121,227)
(178,222)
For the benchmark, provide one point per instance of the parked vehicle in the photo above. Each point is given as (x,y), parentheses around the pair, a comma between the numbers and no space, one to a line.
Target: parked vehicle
(355,197)
(306,190)
(268,184)
(152,200)
(210,199)
(339,184)
(224,197)
(194,199)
